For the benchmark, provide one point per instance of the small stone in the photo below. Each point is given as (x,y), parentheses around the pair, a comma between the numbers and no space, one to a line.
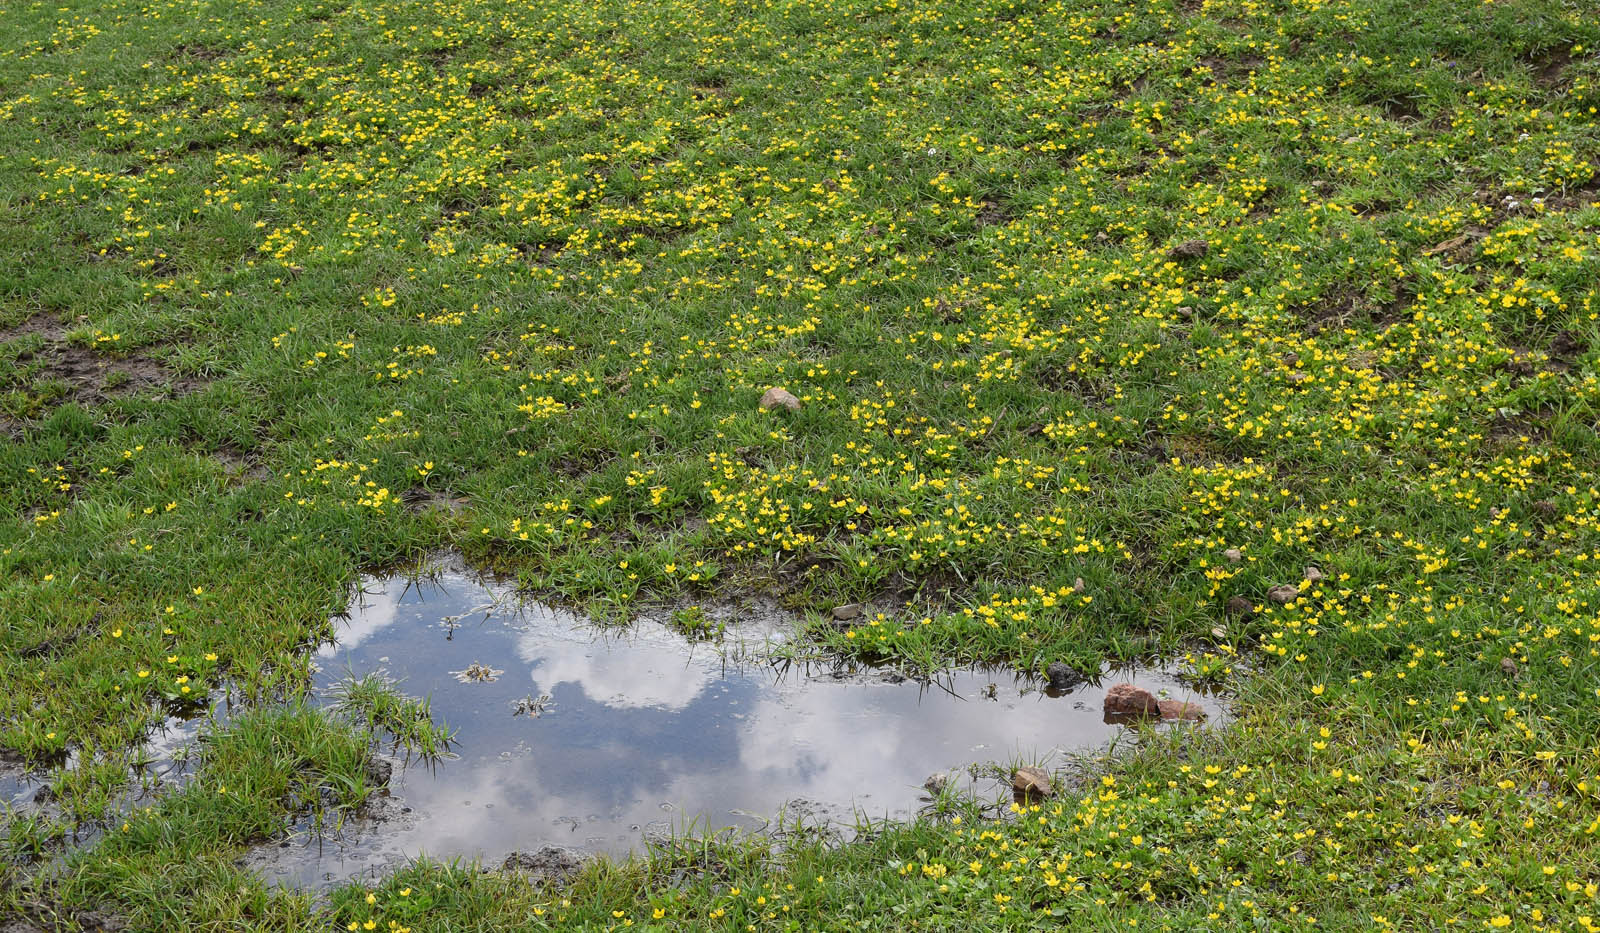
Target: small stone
(847,612)
(1189,249)
(1062,676)
(1283,594)
(936,783)
(1179,710)
(1129,700)
(1186,312)
(1234,555)
(1219,632)
(1239,606)
(779,398)
(1314,574)
(1508,666)
(1077,585)
(1035,781)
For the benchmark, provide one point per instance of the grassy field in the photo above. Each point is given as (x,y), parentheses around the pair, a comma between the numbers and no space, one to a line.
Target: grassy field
(1175,299)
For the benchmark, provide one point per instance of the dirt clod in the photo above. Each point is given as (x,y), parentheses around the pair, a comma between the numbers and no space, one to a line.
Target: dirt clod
(1189,249)
(378,772)
(549,865)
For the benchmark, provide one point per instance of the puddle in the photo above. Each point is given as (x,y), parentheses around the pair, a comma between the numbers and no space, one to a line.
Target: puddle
(17,783)
(590,739)
(163,763)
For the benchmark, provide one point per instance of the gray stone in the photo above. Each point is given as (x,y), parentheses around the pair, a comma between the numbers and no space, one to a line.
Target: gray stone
(1062,676)
(779,398)
(1031,782)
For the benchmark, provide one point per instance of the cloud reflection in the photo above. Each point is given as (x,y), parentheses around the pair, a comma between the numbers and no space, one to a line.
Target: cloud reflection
(646,730)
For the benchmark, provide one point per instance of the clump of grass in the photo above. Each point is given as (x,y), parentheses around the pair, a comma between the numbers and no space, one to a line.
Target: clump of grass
(696,624)
(172,864)
(375,700)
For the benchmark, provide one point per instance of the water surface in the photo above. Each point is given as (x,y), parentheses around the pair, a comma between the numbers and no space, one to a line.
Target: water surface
(595,739)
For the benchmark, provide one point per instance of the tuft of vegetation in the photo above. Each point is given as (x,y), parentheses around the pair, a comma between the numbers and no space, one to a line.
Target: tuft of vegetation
(375,701)
(694,623)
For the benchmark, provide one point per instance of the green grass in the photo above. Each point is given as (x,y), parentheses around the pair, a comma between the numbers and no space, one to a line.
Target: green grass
(289,290)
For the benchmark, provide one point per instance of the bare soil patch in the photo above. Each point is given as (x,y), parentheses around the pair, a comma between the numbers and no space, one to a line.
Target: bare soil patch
(76,373)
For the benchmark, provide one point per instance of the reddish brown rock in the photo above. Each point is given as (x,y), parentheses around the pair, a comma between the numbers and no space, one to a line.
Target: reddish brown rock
(1177,709)
(1128,700)
(1031,781)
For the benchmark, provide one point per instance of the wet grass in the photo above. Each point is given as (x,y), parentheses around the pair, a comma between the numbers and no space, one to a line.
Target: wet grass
(1068,291)
(408,721)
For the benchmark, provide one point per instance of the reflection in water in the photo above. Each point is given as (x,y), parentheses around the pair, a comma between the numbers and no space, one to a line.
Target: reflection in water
(640,731)
(163,763)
